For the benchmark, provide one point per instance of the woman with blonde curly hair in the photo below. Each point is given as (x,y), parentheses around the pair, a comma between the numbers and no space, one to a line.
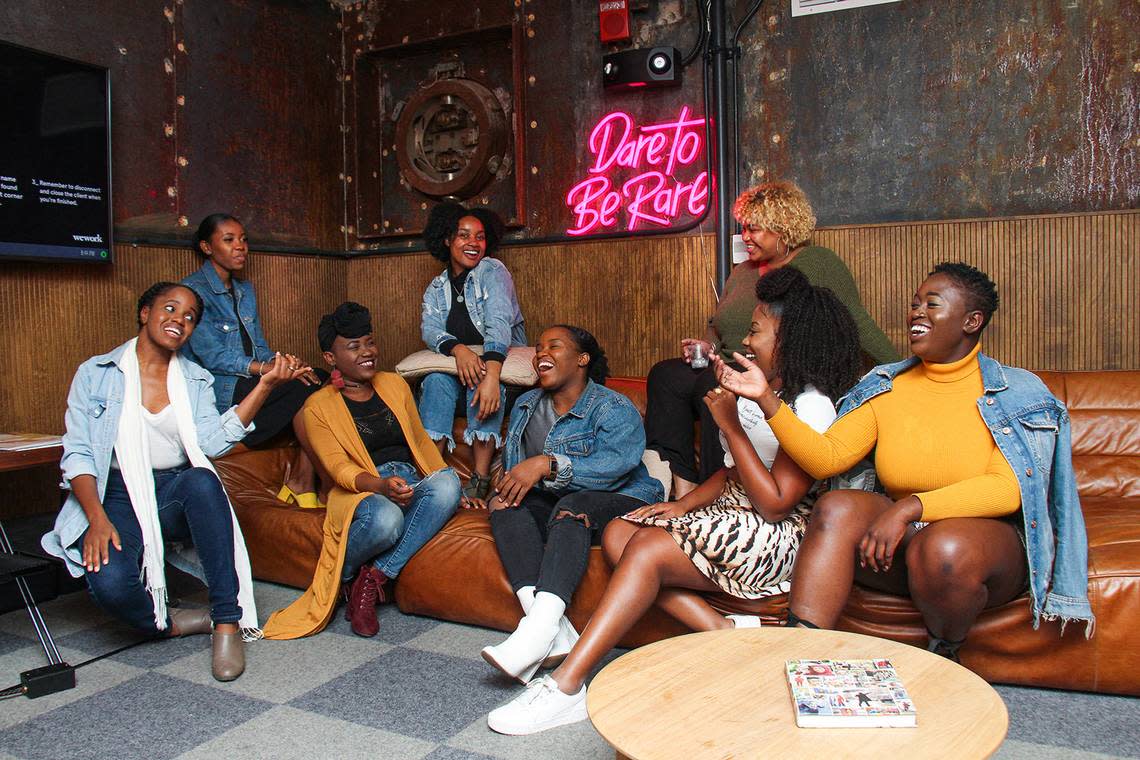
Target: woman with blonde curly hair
(777,223)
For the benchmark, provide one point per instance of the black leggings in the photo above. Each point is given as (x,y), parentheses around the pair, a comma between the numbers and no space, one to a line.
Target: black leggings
(545,541)
(675,395)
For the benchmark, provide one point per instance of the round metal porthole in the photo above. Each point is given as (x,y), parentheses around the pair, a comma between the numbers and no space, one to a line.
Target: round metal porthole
(450,138)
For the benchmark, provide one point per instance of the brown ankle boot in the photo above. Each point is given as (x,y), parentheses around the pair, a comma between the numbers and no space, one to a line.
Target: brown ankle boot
(229,655)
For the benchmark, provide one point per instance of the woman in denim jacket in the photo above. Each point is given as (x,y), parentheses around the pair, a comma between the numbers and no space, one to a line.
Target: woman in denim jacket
(231,345)
(572,463)
(140,426)
(471,303)
(976,461)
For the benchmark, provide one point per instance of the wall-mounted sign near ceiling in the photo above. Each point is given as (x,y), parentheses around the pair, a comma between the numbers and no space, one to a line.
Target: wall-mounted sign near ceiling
(450,138)
(808,7)
(642,176)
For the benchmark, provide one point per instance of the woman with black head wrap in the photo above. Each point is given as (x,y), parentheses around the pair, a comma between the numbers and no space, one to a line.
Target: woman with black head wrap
(391,493)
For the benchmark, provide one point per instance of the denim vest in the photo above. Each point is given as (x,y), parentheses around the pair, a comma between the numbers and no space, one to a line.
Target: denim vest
(489,293)
(92,420)
(598,445)
(1031,429)
(216,341)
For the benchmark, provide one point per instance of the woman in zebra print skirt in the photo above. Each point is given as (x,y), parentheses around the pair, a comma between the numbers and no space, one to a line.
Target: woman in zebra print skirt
(738,531)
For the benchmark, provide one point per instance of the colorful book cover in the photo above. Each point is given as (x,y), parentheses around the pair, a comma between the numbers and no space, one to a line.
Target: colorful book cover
(848,694)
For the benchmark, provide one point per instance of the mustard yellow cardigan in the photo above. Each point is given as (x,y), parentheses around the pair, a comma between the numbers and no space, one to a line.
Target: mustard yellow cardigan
(336,443)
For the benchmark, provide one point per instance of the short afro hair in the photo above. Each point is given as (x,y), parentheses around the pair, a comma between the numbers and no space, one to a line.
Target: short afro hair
(779,207)
(443,223)
(157,291)
(981,292)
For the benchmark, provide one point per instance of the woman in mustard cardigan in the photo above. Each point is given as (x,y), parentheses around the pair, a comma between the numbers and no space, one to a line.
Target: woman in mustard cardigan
(392,491)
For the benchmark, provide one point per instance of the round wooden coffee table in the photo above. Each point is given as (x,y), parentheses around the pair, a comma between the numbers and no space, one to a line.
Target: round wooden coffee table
(723,694)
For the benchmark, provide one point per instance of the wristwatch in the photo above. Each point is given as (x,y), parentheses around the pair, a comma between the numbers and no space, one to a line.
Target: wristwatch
(553,469)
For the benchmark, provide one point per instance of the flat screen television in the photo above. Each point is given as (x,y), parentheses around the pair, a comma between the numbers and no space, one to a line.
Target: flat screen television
(55,158)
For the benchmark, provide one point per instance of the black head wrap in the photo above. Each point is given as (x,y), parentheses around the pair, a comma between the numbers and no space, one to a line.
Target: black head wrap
(349,320)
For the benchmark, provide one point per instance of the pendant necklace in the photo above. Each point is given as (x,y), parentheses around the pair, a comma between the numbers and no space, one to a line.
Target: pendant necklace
(458,292)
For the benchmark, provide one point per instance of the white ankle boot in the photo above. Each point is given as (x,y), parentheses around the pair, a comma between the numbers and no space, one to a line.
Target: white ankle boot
(524,650)
(744,621)
(566,637)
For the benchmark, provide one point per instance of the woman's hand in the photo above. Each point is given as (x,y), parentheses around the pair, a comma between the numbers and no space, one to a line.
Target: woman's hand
(486,396)
(722,407)
(664,510)
(468,365)
(877,549)
(470,502)
(95,550)
(687,345)
(514,484)
(396,489)
(751,383)
(282,369)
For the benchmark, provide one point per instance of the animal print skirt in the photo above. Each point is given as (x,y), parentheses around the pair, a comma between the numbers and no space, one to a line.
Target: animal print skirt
(736,548)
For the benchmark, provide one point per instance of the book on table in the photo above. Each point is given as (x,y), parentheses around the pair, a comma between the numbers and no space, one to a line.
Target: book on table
(27,441)
(848,694)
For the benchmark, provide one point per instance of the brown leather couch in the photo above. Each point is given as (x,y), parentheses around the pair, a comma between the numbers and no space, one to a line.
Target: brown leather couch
(457,575)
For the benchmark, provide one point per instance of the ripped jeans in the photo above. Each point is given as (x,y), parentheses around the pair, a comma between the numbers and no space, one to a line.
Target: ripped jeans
(545,541)
(439,394)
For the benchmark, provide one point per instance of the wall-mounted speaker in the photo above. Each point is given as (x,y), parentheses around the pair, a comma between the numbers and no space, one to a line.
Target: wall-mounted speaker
(642,67)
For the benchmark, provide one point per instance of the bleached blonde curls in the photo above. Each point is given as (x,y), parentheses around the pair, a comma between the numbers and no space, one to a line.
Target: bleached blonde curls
(780,207)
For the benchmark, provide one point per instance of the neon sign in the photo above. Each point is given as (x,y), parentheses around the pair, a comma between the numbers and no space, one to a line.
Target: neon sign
(653,153)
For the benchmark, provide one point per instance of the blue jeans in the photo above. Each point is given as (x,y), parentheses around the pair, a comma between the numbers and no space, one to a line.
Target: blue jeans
(439,393)
(388,535)
(192,509)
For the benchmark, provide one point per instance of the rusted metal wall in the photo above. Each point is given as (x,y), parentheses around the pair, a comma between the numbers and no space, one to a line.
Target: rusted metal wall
(926,109)
(216,105)
(914,110)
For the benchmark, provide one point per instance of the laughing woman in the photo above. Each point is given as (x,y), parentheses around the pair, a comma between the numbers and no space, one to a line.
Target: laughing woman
(572,463)
(392,492)
(737,532)
(975,456)
(472,302)
(140,425)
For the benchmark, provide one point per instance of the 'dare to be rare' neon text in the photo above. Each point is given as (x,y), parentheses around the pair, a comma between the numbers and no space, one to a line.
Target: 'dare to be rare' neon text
(653,155)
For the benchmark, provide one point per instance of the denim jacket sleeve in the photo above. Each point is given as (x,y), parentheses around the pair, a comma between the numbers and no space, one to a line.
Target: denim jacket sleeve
(500,307)
(600,460)
(217,433)
(78,449)
(1068,597)
(433,318)
(208,348)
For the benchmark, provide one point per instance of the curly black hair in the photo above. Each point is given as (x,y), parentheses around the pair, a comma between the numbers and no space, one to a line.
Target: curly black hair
(443,223)
(981,292)
(206,229)
(817,342)
(158,290)
(599,367)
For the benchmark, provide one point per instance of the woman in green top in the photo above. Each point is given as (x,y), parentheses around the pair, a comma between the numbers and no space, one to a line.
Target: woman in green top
(776,222)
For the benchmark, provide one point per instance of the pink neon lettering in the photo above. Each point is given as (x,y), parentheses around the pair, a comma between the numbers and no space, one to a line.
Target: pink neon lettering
(654,195)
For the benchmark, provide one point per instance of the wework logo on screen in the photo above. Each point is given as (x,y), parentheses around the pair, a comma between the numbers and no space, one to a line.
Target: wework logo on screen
(642,175)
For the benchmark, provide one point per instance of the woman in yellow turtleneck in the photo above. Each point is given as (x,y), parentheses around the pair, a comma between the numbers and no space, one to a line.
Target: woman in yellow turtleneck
(937,459)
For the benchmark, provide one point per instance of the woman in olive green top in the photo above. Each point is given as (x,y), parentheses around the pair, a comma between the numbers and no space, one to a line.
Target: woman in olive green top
(776,223)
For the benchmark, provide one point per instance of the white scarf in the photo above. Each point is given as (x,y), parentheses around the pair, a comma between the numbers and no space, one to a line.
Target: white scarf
(133,454)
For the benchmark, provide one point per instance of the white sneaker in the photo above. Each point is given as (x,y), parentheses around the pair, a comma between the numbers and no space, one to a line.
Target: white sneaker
(744,621)
(542,705)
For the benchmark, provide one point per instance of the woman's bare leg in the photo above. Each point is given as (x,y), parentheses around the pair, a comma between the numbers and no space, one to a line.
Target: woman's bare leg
(960,566)
(309,470)
(482,452)
(825,564)
(651,560)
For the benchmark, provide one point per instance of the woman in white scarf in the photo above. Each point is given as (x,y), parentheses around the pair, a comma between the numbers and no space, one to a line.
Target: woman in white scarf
(141,423)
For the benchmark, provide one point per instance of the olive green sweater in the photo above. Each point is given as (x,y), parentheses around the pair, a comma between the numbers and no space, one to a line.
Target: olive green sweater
(733,316)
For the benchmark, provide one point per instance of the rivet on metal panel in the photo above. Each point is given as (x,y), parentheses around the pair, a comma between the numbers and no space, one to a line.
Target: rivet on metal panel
(169,13)
(181,47)
(168,130)
(399,229)
(342,228)
(534,125)
(351,230)
(340,176)
(168,65)
(773,20)
(172,191)
(375,226)
(182,161)
(404,40)
(775,138)
(383,153)
(386,224)
(760,172)
(484,200)
(181,100)
(122,50)
(534,170)
(375,175)
(530,17)
(529,32)
(423,207)
(183,221)
(348,179)
(530,79)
